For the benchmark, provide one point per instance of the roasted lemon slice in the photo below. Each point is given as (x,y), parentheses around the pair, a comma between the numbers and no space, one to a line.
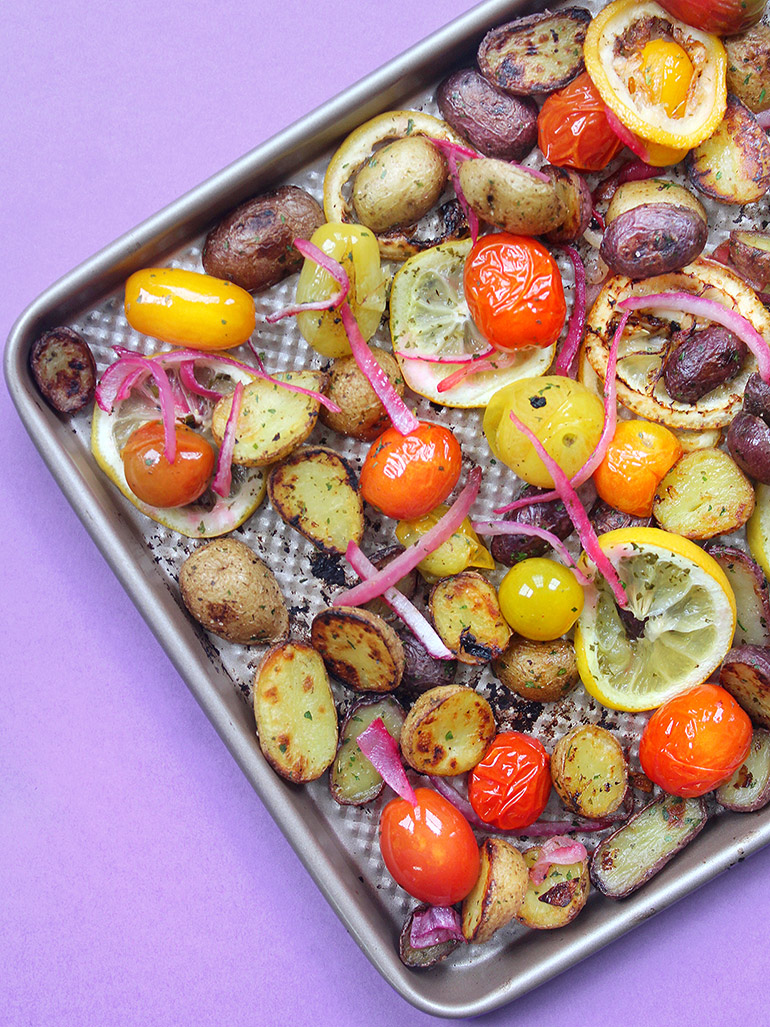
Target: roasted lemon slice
(207,517)
(679,626)
(430,322)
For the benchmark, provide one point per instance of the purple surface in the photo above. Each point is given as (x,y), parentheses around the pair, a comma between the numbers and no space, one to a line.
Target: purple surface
(142,881)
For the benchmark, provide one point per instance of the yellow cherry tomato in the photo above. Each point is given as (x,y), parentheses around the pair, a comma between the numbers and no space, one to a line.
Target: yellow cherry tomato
(355,247)
(461,550)
(540,598)
(565,416)
(187,308)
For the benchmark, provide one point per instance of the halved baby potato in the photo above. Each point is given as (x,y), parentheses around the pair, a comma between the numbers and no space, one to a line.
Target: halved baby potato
(316,492)
(589,771)
(512,198)
(466,613)
(538,671)
(704,494)
(353,781)
(447,730)
(559,898)
(273,421)
(497,895)
(295,712)
(359,648)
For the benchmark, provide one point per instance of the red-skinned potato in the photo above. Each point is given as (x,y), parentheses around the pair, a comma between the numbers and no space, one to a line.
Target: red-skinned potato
(722,17)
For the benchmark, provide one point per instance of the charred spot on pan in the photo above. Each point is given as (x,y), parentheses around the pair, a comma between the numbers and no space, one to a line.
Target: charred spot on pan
(328,567)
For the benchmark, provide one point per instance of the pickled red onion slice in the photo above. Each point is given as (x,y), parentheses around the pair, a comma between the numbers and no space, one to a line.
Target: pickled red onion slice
(577,322)
(191,383)
(577,513)
(687,303)
(223,476)
(400,605)
(464,358)
(435,925)
(406,561)
(381,749)
(498,362)
(557,849)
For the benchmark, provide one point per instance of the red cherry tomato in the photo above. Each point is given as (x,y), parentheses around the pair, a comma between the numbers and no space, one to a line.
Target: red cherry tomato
(406,476)
(509,788)
(514,291)
(429,848)
(153,479)
(572,128)
(695,741)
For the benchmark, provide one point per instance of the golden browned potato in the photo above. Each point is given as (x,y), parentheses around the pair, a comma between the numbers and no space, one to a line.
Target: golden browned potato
(447,730)
(315,491)
(733,164)
(497,895)
(748,67)
(466,612)
(232,593)
(272,421)
(512,198)
(589,771)
(361,414)
(652,190)
(359,648)
(399,184)
(704,494)
(295,712)
(559,898)
(538,671)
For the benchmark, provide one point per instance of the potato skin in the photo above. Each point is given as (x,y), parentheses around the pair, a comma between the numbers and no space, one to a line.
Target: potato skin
(253,245)
(361,414)
(745,674)
(399,184)
(732,165)
(748,67)
(233,594)
(750,255)
(553,517)
(653,239)
(511,198)
(701,361)
(64,369)
(538,671)
(497,124)
(578,203)
(499,892)
(421,670)
(748,439)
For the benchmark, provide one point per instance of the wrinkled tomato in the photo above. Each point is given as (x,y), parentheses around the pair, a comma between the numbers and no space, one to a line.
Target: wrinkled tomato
(572,128)
(406,476)
(514,291)
(159,483)
(637,459)
(695,741)
(429,848)
(509,787)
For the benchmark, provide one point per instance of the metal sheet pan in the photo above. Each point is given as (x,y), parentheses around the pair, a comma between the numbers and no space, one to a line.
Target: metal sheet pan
(332,854)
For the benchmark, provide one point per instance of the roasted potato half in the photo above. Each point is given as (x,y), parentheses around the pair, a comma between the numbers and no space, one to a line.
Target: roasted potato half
(745,674)
(497,124)
(447,730)
(273,421)
(399,184)
(466,612)
(359,648)
(748,67)
(353,781)
(749,787)
(750,255)
(361,414)
(559,898)
(751,593)
(316,492)
(497,895)
(295,712)
(538,671)
(512,198)
(589,771)
(704,494)
(733,164)
(233,594)
(64,369)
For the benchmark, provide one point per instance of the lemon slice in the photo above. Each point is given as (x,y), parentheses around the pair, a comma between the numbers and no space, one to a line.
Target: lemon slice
(430,320)
(682,609)
(211,515)
(758,528)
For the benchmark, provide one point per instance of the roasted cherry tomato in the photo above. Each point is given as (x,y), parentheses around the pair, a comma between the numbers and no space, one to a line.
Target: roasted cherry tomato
(639,456)
(572,128)
(509,788)
(406,476)
(540,598)
(429,848)
(514,291)
(695,741)
(187,308)
(153,479)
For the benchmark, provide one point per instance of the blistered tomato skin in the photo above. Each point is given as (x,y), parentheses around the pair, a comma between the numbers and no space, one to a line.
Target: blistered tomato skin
(509,788)
(695,742)
(406,476)
(514,291)
(153,479)
(429,849)
(187,308)
(572,128)
(639,456)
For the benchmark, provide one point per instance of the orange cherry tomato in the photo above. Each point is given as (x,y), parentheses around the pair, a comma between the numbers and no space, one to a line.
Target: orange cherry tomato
(157,482)
(429,848)
(572,128)
(406,476)
(509,787)
(514,291)
(695,741)
(639,456)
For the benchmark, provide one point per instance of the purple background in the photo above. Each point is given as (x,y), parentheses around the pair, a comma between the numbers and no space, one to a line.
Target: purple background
(141,881)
